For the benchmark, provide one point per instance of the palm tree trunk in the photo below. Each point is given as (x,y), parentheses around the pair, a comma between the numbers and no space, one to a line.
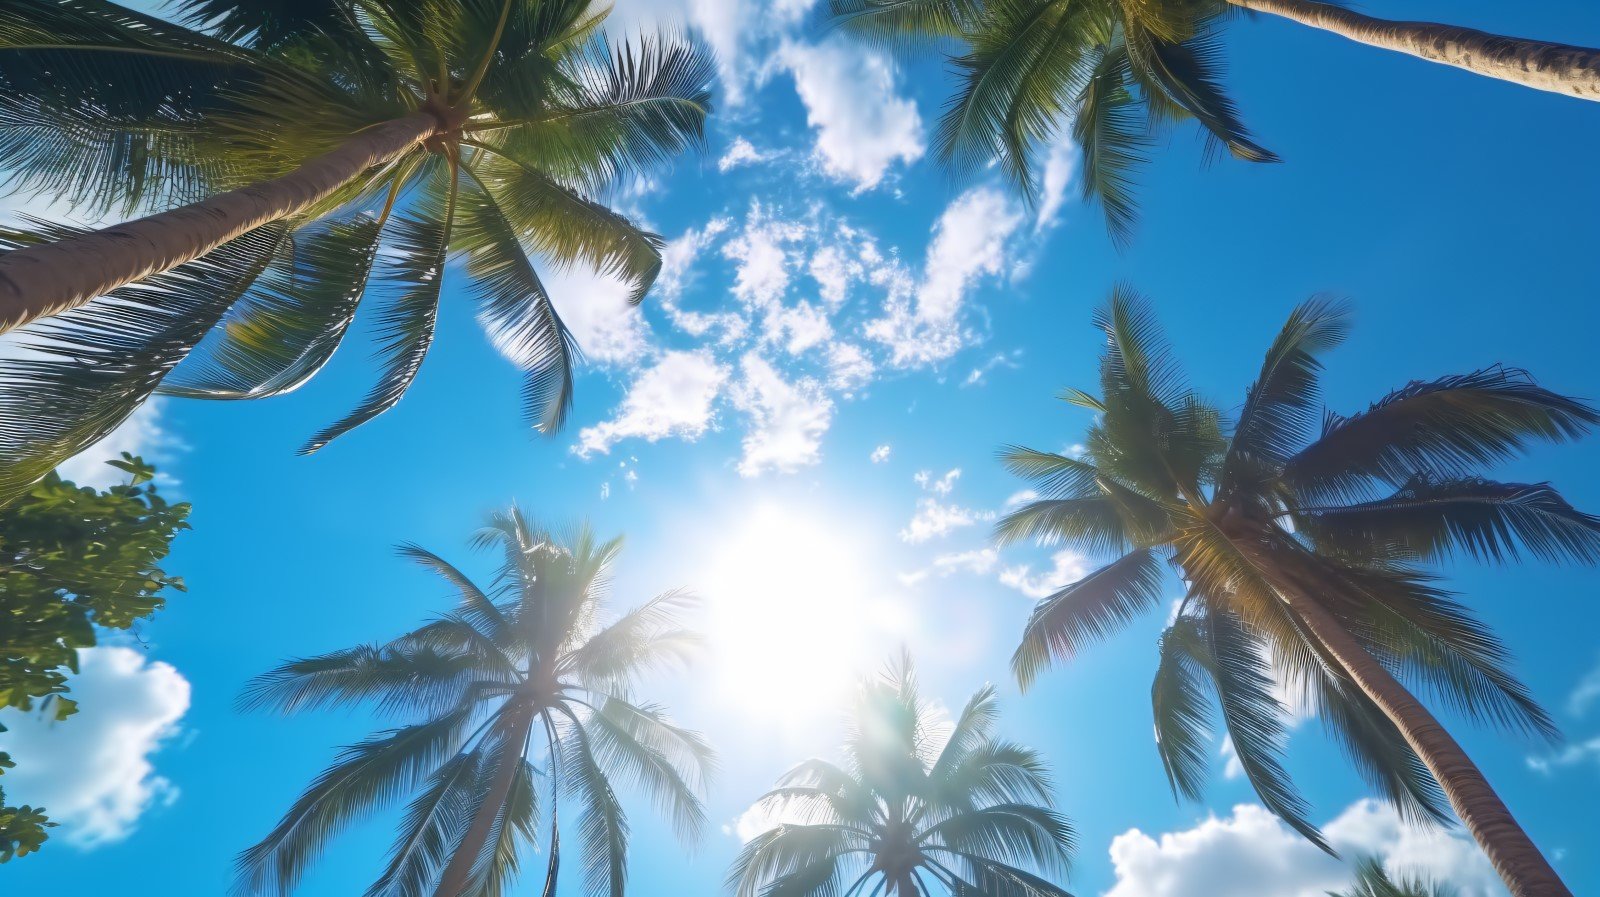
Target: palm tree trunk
(1558,68)
(1520,864)
(50,278)
(457,873)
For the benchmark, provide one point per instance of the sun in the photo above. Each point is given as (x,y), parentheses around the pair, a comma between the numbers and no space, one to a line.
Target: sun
(794,615)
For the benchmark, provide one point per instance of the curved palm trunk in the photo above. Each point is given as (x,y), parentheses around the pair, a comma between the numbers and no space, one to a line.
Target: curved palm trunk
(1520,864)
(54,277)
(458,872)
(1558,68)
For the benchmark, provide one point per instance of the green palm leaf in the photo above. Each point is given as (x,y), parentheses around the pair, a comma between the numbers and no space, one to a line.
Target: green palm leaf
(283,330)
(406,325)
(82,373)
(366,777)
(1448,427)
(1485,520)
(1090,609)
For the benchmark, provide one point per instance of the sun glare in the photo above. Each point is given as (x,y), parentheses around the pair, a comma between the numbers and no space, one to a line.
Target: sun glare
(794,616)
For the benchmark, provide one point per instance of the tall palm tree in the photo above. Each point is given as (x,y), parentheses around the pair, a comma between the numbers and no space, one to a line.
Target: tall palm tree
(1302,556)
(1033,69)
(516,674)
(916,807)
(1372,880)
(327,151)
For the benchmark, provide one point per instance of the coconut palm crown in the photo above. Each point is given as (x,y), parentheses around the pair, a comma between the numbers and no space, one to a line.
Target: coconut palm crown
(518,696)
(1300,536)
(915,809)
(334,154)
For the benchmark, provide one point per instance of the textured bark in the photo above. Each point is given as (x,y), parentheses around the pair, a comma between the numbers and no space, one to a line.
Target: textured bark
(1520,864)
(1559,68)
(458,872)
(54,277)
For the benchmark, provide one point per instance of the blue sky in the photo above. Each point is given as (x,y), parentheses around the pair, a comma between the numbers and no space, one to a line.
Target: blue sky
(841,329)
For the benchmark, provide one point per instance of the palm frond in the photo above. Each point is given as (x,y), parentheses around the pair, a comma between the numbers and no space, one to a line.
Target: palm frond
(433,822)
(626,110)
(406,324)
(287,325)
(565,226)
(649,637)
(1178,700)
(1279,409)
(1089,609)
(1255,720)
(514,827)
(104,107)
(897,22)
(476,607)
(83,372)
(516,310)
(403,679)
(627,741)
(1055,476)
(785,850)
(1431,520)
(1372,880)
(366,777)
(1450,427)
(1186,75)
(1113,138)
(1012,834)
(603,827)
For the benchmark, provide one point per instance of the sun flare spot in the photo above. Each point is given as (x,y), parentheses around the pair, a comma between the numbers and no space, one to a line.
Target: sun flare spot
(795,616)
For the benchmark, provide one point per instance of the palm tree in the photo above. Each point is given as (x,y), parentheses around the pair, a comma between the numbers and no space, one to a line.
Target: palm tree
(515,673)
(1373,881)
(327,152)
(1302,557)
(1031,69)
(915,807)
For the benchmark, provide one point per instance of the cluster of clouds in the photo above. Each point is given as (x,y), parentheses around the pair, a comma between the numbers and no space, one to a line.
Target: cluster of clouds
(1580,752)
(1250,852)
(774,319)
(93,772)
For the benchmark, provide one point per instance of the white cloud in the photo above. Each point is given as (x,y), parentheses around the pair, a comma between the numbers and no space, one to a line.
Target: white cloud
(922,322)
(1066,566)
(863,126)
(833,270)
(738,31)
(934,518)
(141,434)
(1021,498)
(944,485)
(1059,166)
(1585,693)
(978,561)
(93,773)
(594,305)
(741,152)
(787,419)
(1570,755)
(796,327)
(849,368)
(673,398)
(968,242)
(1001,359)
(881,454)
(762,274)
(1251,853)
